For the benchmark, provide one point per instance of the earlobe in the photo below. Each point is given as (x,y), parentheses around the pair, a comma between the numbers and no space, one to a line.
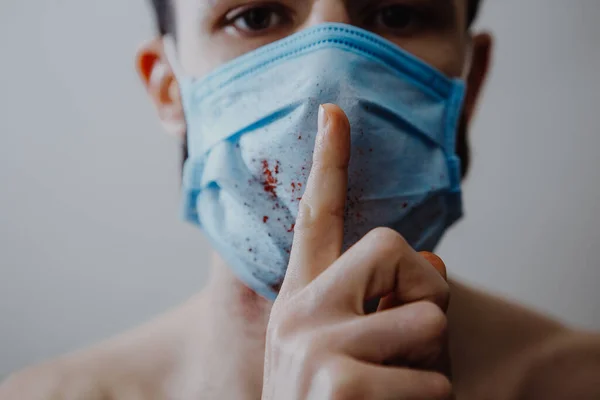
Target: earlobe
(161,85)
(481,58)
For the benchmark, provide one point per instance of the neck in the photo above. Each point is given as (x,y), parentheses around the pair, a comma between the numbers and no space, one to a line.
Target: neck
(224,352)
(231,298)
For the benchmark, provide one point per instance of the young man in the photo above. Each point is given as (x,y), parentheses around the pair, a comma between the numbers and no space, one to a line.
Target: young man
(317,341)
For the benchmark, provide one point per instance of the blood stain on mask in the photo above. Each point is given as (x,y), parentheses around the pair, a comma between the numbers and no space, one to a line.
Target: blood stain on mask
(270,181)
(292,228)
(265,219)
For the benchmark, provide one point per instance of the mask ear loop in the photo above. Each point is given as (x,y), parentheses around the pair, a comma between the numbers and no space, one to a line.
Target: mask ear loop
(170,49)
(468,61)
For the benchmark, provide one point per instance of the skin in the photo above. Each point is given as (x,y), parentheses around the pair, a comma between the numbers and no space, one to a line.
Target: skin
(316,341)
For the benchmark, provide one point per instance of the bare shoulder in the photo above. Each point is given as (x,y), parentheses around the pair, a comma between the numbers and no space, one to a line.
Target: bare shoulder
(565,367)
(501,350)
(134,365)
(59,379)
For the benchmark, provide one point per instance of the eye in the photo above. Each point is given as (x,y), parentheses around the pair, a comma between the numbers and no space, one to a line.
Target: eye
(257,19)
(395,17)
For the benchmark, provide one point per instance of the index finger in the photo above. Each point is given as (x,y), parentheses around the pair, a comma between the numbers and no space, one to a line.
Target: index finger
(319,229)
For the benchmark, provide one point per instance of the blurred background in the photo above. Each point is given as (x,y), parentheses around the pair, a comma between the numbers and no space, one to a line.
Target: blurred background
(90,238)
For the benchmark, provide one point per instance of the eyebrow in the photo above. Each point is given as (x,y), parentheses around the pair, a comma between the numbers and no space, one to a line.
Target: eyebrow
(442,6)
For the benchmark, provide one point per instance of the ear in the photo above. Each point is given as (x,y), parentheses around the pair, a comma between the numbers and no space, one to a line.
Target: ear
(160,82)
(480,64)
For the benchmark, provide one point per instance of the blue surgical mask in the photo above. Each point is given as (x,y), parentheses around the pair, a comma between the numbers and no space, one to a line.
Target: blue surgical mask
(251,131)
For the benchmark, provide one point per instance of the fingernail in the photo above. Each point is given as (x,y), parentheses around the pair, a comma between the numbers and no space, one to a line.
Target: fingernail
(323,118)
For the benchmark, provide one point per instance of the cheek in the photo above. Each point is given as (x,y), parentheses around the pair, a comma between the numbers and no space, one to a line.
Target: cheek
(446,56)
(202,54)
(199,55)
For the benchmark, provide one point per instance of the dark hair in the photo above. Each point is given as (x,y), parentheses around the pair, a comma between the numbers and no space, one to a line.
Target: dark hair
(165,18)
(163,13)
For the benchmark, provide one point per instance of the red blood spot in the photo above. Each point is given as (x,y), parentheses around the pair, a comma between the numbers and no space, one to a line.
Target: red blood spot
(269,181)
(299,198)
(300,137)
(404,205)
(292,228)
(293,186)
(299,184)
(277,167)
(265,219)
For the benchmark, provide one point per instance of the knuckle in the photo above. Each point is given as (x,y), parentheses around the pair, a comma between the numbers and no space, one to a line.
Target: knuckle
(314,215)
(387,240)
(434,322)
(276,332)
(337,381)
(314,343)
(281,328)
(305,218)
(442,296)
(439,386)
(294,339)
(336,210)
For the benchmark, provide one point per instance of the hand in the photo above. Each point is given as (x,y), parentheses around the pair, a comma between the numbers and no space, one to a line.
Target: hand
(320,342)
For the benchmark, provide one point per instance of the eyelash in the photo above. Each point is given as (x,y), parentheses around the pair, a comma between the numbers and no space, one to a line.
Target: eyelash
(375,18)
(284,16)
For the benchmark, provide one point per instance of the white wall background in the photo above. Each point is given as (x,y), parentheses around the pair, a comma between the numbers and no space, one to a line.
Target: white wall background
(90,241)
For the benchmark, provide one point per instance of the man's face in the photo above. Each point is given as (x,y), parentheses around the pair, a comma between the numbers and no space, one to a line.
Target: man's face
(210,33)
